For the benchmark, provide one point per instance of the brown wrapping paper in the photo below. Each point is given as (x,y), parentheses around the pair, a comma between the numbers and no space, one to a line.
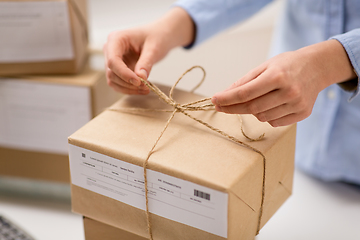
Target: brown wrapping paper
(95,230)
(194,153)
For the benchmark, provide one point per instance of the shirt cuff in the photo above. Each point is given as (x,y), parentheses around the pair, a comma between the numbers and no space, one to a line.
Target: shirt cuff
(351,44)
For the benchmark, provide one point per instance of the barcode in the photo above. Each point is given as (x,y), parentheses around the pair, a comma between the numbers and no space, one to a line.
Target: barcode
(200,194)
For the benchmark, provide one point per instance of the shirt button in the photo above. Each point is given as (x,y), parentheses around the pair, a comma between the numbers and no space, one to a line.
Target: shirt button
(331,94)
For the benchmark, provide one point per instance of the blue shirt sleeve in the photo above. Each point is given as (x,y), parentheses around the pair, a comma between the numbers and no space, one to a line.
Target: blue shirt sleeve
(213,16)
(351,43)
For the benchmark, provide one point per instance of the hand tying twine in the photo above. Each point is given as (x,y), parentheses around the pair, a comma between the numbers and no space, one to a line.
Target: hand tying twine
(184,108)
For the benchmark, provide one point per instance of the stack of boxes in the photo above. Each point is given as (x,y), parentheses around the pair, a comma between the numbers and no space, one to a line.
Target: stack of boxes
(47,89)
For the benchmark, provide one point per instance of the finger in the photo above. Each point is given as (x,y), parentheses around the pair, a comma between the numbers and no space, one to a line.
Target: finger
(114,52)
(286,120)
(123,90)
(121,86)
(266,102)
(275,113)
(111,76)
(247,92)
(301,108)
(146,60)
(283,115)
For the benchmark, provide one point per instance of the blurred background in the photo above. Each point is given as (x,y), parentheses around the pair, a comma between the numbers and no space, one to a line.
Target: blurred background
(225,57)
(316,210)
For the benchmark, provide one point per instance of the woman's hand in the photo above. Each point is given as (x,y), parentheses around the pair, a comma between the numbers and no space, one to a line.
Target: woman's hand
(130,54)
(283,90)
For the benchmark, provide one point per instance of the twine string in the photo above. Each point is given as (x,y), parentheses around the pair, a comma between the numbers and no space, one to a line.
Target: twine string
(199,105)
(145,166)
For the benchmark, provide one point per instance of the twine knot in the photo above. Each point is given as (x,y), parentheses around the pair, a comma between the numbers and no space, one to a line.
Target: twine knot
(192,106)
(178,107)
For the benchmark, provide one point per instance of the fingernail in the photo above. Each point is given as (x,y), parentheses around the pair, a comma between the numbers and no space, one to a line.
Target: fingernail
(134,82)
(215,101)
(144,73)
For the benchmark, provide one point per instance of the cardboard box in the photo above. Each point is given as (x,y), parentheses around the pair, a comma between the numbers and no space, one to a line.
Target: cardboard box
(201,184)
(95,230)
(38,113)
(43,37)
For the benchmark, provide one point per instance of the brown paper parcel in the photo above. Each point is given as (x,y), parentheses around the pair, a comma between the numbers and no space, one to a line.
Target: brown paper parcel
(191,152)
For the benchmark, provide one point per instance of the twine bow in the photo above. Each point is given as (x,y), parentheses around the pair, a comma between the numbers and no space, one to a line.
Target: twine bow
(184,108)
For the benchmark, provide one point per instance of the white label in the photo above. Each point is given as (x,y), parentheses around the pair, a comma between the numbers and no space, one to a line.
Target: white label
(169,197)
(35,31)
(39,116)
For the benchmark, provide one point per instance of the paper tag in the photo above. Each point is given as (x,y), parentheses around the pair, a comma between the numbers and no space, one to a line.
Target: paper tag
(169,197)
(39,116)
(35,31)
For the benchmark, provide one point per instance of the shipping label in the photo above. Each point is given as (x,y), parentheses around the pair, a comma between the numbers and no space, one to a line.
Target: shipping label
(35,31)
(40,116)
(169,197)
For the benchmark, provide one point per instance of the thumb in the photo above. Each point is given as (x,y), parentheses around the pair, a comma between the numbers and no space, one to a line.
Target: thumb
(145,62)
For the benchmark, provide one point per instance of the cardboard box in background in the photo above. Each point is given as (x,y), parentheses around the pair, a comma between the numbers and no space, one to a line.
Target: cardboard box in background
(38,113)
(43,37)
(201,184)
(95,230)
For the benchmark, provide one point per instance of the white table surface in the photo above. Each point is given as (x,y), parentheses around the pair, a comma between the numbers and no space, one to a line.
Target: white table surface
(315,211)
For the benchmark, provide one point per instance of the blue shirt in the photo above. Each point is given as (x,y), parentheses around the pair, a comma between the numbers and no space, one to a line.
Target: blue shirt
(328,141)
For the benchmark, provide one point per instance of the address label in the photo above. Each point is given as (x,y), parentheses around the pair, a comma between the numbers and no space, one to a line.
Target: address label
(169,197)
